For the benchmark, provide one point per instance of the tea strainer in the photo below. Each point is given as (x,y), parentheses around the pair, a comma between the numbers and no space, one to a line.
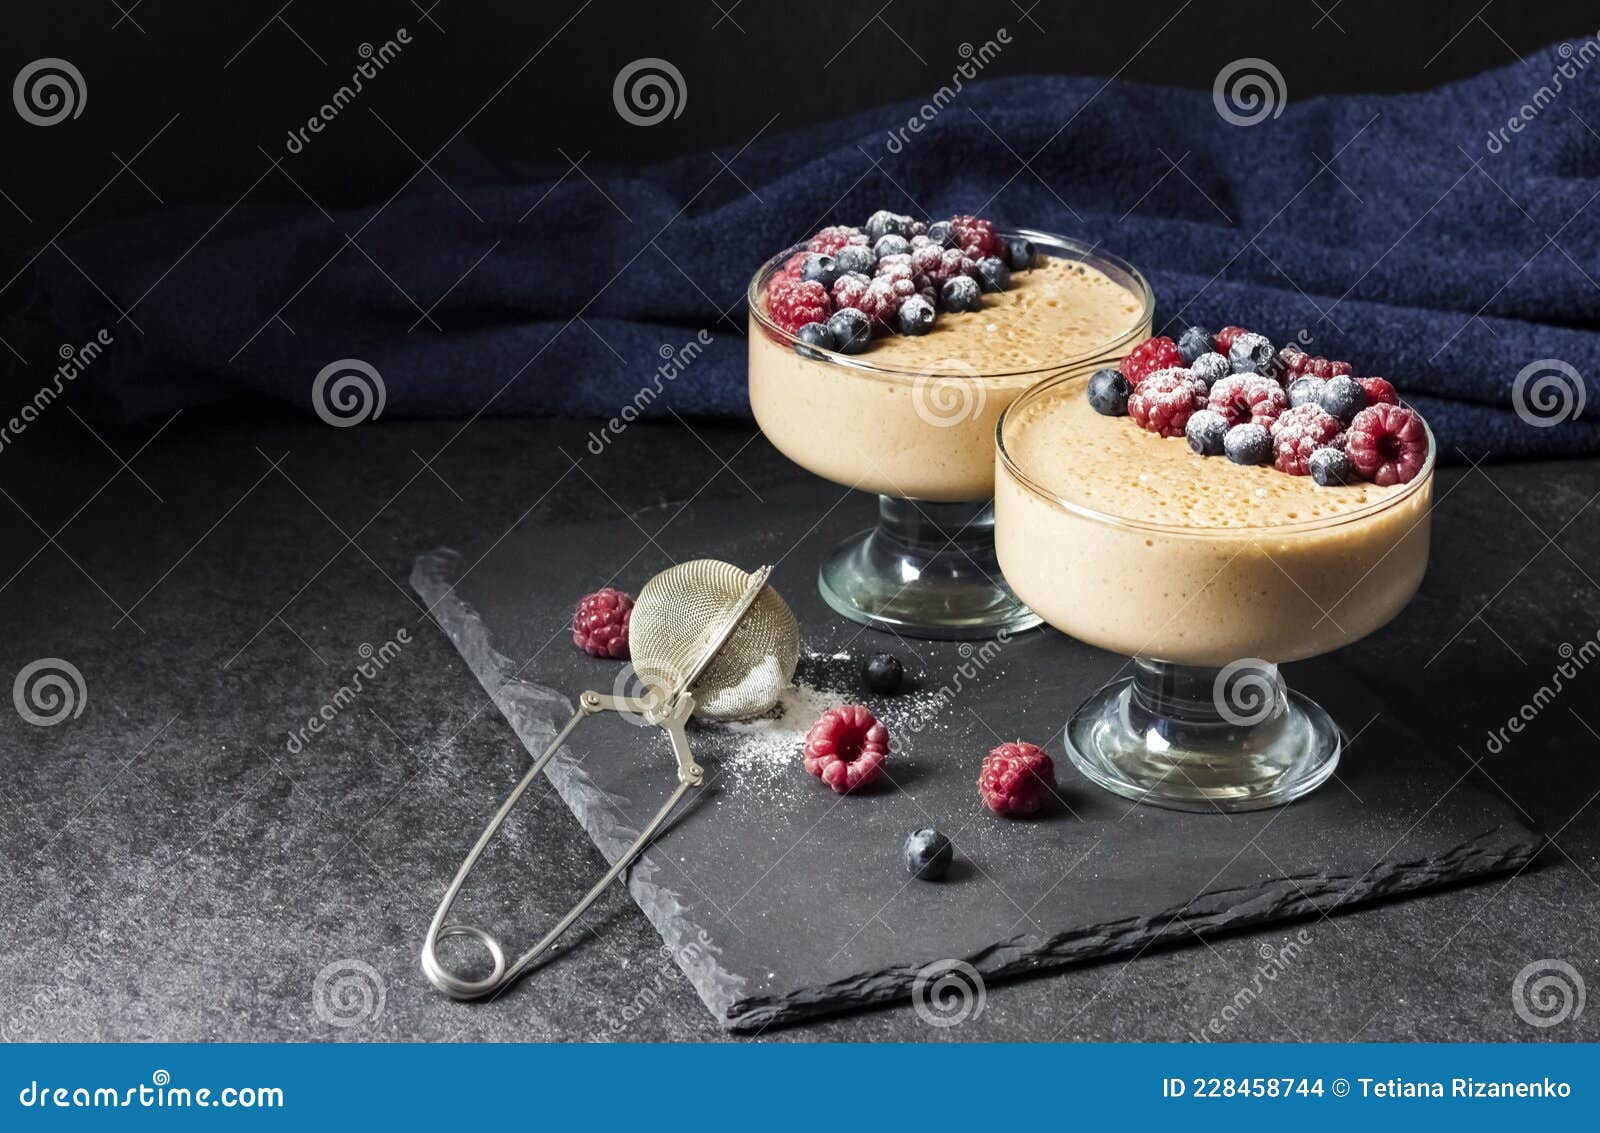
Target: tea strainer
(707,640)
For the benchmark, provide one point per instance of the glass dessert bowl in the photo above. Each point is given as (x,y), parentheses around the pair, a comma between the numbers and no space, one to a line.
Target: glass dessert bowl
(912,419)
(1206,573)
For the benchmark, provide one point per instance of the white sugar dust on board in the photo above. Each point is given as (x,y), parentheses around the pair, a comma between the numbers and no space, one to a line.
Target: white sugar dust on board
(764,753)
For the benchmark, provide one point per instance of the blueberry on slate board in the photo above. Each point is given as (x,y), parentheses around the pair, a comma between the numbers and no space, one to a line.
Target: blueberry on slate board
(928,854)
(883,673)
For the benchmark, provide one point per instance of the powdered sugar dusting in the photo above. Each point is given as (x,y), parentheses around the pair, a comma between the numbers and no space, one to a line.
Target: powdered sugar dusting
(764,754)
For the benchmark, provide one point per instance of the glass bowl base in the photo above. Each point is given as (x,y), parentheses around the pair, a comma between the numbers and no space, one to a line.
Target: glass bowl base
(1179,755)
(927,571)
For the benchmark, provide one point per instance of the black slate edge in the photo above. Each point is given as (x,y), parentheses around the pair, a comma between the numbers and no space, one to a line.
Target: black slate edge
(533,711)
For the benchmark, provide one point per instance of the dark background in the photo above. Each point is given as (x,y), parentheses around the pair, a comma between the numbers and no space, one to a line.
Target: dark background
(239,76)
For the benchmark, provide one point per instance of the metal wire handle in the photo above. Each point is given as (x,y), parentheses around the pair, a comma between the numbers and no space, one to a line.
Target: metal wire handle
(671,719)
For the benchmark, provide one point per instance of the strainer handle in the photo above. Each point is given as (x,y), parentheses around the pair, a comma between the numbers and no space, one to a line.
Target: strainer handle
(500,974)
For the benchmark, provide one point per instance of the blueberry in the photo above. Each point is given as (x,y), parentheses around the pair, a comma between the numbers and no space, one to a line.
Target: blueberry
(855,257)
(1248,444)
(960,293)
(1194,342)
(1108,393)
(928,855)
(993,275)
(813,337)
(940,233)
(851,330)
(1251,354)
(1305,391)
(1330,467)
(1343,397)
(885,223)
(883,673)
(1210,368)
(1020,254)
(891,245)
(819,269)
(916,316)
(1205,432)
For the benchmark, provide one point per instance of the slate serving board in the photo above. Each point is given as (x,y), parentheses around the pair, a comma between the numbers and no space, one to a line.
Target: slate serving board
(779,900)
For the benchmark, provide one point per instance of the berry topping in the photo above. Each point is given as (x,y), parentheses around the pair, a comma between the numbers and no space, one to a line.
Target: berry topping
(813,337)
(1248,444)
(883,297)
(1379,391)
(1330,467)
(1251,354)
(1194,342)
(1163,402)
(883,674)
(1152,354)
(1306,391)
(949,263)
(851,330)
(1340,369)
(928,854)
(846,747)
(1388,444)
(1205,432)
(1210,368)
(1248,398)
(916,316)
(791,266)
(1016,778)
(819,268)
(1343,397)
(976,237)
(600,623)
(1298,433)
(1291,363)
(960,293)
(855,257)
(1020,254)
(848,290)
(992,274)
(830,240)
(1225,337)
(941,234)
(1108,393)
(793,303)
(885,223)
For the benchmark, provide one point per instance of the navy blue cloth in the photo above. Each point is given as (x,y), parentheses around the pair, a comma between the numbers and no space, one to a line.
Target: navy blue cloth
(1413,234)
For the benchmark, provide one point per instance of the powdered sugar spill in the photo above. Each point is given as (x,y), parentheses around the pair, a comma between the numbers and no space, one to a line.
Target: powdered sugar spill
(764,753)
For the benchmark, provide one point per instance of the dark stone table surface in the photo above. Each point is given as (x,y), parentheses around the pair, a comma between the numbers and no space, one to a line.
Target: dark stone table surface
(183,863)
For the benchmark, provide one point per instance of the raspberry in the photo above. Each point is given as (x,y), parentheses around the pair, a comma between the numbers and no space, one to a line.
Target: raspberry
(1248,399)
(1224,338)
(1149,356)
(1163,402)
(793,303)
(791,266)
(950,263)
(903,267)
(1298,433)
(1380,391)
(1340,369)
(600,623)
(975,237)
(848,290)
(1016,778)
(830,240)
(846,748)
(882,298)
(1388,444)
(1292,362)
